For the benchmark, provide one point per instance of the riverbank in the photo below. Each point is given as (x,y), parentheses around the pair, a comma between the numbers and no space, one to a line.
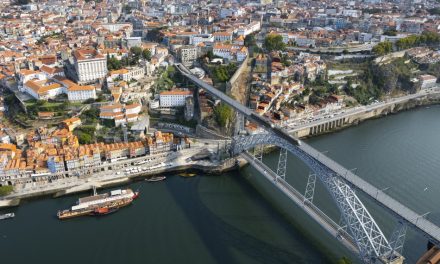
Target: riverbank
(369,112)
(207,167)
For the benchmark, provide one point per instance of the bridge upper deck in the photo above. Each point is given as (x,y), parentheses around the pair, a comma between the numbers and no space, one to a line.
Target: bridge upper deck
(429,229)
(426,227)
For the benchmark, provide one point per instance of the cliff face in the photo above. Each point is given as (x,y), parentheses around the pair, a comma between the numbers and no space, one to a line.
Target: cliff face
(395,75)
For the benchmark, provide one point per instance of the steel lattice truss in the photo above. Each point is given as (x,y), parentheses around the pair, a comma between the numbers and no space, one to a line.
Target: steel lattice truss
(282,163)
(369,238)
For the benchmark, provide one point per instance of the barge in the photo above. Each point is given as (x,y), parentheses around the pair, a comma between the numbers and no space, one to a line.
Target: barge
(100,204)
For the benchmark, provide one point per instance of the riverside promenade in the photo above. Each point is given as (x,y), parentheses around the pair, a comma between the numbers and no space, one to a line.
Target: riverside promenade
(159,163)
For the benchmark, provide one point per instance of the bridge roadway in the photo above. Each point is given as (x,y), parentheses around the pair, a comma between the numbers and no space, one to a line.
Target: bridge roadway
(320,217)
(416,221)
(413,219)
(248,113)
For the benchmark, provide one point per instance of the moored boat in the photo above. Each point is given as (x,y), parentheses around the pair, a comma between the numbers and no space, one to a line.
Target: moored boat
(104,211)
(99,204)
(136,194)
(6,216)
(185,174)
(156,179)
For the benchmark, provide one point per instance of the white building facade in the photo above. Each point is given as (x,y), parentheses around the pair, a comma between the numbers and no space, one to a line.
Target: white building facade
(81,93)
(174,98)
(90,66)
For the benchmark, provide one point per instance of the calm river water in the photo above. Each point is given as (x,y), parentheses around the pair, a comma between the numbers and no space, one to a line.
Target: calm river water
(239,217)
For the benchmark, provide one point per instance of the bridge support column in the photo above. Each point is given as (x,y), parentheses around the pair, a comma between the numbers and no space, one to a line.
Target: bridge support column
(282,163)
(310,188)
(258,152)
(239,123)
(396,242)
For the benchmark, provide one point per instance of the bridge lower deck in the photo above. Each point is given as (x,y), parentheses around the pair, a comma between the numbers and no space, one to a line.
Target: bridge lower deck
(320,217)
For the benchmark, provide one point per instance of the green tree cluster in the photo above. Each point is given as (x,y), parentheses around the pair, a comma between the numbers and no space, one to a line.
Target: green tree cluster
(146,54)
(390,32)
(222,73)
(90,116)
(5,190)
(321,89)
(21,2)
(249,41)
(434,11)
(135,54)
(383,48)
(113,63)
(223,114)
(394,75)
(155,35)
(168,79)
(383,79)
(285,60)
(372,10)
(426,38)
(274,42)
(85,134)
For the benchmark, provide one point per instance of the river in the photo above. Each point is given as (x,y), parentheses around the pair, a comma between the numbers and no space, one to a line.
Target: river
(238,217)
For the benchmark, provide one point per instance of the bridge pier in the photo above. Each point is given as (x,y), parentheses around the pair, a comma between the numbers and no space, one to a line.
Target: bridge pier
(282,163)
(258,152)
(368,237)
(310,188)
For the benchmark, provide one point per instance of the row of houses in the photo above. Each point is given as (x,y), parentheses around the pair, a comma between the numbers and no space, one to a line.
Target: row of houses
(52,156)
(120,113)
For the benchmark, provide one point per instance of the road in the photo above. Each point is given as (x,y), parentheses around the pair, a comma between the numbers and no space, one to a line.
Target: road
(400,211)
(358,110)
(118,171)
(422,225)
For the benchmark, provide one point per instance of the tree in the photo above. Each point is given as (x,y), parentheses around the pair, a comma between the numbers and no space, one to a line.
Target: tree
(22,2)
(434,11)
(146,54)
(135,55)
(274,42)
(113,63)
(223,114)
(5,190)
(426,38)
(84,138)
(390,32)
(249,40)
(314,99)
(222,73)
(285,60)
(383,48)
(136,51)
(154,35)
(306,91)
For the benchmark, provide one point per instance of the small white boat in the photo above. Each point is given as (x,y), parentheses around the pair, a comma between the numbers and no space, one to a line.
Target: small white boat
(6,216)
(156,179)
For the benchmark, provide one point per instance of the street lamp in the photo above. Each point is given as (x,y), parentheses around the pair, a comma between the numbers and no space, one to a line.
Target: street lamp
(321,152)
(422,216)
(354,169)
(382,190)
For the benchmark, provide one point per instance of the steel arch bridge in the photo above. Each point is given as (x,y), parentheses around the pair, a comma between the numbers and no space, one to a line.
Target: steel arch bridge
(370,240)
